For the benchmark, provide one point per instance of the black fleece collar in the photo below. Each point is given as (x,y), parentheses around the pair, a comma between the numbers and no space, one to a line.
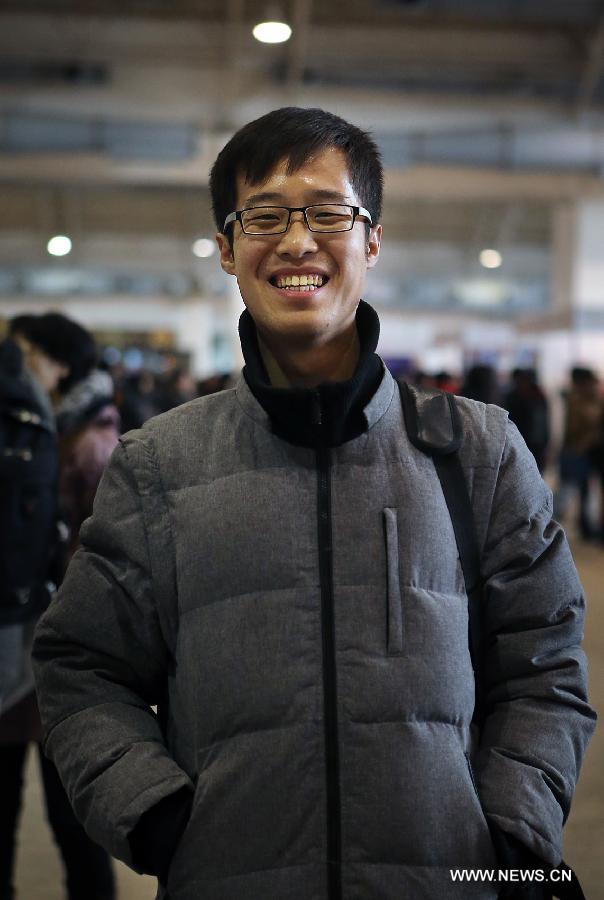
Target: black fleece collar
(329,414)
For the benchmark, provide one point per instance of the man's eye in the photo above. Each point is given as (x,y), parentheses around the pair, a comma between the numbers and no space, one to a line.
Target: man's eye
(331,215)
(263,217)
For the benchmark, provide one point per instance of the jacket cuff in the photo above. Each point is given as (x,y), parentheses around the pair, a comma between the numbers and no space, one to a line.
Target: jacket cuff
(513,854)
(156,835)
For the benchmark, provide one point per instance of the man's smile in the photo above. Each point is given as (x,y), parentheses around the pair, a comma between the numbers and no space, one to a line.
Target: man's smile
(292,282)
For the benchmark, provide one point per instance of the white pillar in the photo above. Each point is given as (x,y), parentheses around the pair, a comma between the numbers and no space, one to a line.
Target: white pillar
(588,274)
(232,306)
(193,332)
(564,229)
(578,282)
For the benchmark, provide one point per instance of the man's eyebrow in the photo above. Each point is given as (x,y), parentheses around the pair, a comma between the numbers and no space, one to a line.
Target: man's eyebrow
(278,199)
(255,199)
(332,196)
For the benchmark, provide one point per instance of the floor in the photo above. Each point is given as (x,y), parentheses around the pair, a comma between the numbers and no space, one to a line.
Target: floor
(39,872)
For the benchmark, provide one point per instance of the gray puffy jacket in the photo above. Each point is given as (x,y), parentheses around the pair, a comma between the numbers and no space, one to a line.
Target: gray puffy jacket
(300,618)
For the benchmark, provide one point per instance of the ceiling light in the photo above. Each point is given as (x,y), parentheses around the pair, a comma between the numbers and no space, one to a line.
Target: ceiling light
(59,245)
(203,248)
(272,32)
(490,259)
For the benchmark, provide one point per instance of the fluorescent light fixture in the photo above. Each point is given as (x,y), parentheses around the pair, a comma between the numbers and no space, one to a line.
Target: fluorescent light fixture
(490,259)
(203,247)
(59,245)
(272,32)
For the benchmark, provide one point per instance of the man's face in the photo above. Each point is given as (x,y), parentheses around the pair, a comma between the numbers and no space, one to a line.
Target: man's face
(46,370)
(311,316)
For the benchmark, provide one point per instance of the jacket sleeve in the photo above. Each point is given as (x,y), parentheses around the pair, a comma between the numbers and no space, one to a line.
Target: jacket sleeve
(534,673)
(101,662)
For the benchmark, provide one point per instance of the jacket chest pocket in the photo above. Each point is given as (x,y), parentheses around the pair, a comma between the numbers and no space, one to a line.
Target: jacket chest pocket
(394,601)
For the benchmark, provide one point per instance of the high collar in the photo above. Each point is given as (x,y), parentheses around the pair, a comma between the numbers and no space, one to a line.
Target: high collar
(329,414)
(83,402)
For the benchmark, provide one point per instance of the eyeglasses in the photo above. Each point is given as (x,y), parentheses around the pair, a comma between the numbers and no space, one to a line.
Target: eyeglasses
(324,217)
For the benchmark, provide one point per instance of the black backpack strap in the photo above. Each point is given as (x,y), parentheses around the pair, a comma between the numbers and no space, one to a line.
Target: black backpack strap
(434,427)
(566,890)
(432,420)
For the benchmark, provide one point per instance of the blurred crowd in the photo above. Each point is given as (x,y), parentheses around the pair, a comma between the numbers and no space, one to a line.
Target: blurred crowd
(575,459)
(143,394)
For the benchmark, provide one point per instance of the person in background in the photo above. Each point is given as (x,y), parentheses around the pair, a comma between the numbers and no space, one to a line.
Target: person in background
(215,383)
(528,409)
(177,387)
(444,381)
(598,465)
(582,437)
(47,352)
(88,425)
(139,399)
(480,384)
(28,505)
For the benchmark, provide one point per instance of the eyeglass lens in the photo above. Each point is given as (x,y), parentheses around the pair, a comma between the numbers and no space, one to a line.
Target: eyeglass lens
(274,219)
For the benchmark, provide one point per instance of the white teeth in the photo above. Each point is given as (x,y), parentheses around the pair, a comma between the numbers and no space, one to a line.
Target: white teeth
(300,282)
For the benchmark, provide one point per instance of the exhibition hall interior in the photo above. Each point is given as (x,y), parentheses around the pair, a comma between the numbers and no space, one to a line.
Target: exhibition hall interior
(489,115)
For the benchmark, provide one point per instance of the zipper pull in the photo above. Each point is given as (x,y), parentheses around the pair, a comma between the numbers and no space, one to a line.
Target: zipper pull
(316,413)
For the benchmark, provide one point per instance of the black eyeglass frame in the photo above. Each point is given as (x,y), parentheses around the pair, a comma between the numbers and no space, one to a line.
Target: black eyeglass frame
(357,211)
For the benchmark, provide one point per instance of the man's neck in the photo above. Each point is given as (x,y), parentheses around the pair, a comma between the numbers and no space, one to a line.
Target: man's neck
(308,367)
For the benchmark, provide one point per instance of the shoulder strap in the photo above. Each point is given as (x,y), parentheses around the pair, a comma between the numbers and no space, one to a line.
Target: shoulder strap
(434,427)
(432,420)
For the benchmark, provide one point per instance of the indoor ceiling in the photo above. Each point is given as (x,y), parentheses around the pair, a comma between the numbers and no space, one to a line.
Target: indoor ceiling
(489,113)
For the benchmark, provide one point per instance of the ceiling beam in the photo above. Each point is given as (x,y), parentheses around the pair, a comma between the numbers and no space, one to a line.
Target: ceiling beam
(420,182)
(388,15)
(131,39)
(431,182)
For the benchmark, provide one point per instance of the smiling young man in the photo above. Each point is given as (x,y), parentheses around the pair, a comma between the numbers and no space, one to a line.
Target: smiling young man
(275,568)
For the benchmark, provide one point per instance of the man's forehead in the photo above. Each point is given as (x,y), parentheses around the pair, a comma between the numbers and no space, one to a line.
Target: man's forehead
(324,176)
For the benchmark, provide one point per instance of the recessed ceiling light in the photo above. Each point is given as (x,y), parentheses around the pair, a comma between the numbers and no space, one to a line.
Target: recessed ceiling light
(203,247)
(490,259)
(272,32)
(59,245)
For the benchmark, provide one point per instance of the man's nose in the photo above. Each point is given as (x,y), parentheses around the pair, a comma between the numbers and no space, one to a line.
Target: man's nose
(298,239)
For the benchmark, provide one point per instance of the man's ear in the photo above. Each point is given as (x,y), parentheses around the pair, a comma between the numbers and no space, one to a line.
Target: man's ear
(227,260)
(373,245)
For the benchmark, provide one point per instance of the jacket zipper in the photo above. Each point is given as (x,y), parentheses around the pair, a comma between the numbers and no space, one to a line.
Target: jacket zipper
(330,707)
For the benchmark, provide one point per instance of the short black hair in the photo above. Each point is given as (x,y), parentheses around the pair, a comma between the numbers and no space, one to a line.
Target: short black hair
(63,340)
(295,133)
(20,324)
(582,375)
